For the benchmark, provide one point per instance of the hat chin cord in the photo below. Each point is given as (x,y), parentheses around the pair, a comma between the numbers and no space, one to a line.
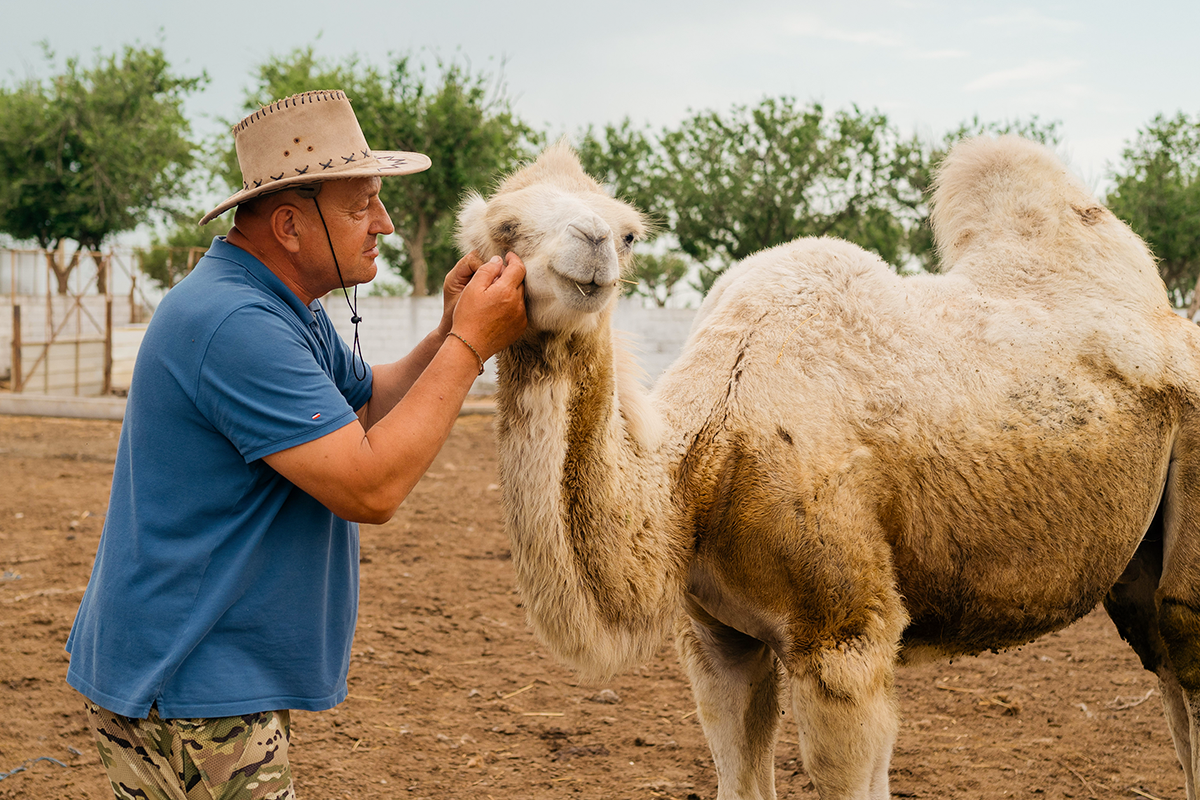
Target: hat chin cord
(356,350)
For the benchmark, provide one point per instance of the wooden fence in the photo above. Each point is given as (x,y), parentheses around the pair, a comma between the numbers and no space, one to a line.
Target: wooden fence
(72,342)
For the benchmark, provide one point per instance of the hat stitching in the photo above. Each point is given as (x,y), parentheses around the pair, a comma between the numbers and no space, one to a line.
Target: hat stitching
(392,160)
(307,97)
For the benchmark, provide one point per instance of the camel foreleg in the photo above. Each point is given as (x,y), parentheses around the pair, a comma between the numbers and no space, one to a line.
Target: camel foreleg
(736,680)
(847,719)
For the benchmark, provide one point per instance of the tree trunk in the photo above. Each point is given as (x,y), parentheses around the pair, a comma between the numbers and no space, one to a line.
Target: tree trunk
(62,272)
(416,257)
(101,271)
(1195,304)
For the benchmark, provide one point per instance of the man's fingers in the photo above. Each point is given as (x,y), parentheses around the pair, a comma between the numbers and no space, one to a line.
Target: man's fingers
(489,271)
(471,261)
(464,269)
(514,269)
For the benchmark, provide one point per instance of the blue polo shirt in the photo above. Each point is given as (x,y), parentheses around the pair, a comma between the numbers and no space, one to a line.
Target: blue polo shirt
(219,588)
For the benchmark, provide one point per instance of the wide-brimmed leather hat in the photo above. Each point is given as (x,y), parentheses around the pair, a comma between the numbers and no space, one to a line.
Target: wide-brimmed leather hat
(307,138)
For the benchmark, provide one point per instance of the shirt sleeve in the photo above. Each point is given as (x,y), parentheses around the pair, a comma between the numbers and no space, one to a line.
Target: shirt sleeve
(267,384)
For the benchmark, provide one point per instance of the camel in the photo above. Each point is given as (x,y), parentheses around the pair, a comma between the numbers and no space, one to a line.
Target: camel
(848,470)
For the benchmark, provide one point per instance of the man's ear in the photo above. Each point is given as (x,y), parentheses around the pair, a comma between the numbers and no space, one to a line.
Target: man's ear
(287,225)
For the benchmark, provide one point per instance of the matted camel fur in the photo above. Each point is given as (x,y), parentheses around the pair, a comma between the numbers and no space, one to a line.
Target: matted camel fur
(847,469)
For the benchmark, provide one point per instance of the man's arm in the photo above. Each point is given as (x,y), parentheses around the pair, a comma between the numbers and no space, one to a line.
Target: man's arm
(391,382)
(364,470)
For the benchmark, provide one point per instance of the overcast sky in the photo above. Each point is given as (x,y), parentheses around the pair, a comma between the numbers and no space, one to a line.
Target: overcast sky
(1104,69)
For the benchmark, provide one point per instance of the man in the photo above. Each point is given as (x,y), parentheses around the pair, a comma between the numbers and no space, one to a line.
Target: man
(225,587)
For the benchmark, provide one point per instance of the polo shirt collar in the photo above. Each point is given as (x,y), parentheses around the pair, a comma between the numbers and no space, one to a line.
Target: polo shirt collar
(262,273)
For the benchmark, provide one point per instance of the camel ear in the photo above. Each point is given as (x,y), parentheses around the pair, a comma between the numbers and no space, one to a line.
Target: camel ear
(472,227)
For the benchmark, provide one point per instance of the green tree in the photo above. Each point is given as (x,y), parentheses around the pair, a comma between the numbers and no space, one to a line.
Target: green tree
(462,120)
(655,276)
(93,151)
(756,177)
(171,256)
(1157,191)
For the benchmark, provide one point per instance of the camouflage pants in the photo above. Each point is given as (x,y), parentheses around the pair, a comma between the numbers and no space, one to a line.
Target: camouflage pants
(225,758)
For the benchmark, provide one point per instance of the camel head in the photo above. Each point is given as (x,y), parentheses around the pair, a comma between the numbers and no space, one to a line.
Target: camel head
(574,238)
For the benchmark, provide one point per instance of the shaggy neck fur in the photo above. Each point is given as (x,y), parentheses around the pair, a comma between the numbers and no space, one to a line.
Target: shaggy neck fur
(583,483)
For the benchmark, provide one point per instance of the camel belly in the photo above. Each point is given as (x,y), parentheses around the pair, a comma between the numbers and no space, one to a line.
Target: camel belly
(993,548)
(983,544)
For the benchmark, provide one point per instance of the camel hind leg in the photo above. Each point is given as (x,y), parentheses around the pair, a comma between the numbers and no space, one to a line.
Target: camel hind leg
(1156,608)
(1132,607)
(737,682)
(1178,607)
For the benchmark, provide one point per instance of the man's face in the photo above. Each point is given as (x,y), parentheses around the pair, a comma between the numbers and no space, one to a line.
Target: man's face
(355,218)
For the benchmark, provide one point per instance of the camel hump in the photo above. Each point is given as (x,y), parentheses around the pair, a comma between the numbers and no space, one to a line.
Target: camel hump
(1016,195)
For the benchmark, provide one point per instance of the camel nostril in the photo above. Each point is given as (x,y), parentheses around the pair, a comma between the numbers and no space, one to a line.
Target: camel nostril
(588,233)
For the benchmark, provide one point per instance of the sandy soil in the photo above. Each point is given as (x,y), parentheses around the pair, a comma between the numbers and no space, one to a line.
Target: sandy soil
(452,697)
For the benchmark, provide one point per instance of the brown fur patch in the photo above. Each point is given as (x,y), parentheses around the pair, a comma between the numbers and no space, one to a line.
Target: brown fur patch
(1089,215)
(1180,626)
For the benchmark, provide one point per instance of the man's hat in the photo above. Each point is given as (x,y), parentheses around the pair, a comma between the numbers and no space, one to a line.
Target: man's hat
(307,138)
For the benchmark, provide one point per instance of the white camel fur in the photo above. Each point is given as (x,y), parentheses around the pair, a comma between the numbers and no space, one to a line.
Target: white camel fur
(846,469)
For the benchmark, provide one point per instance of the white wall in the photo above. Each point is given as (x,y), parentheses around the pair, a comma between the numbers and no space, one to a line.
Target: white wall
(392,326)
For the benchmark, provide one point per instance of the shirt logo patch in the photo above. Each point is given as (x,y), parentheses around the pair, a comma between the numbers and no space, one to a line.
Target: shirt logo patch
(316,416)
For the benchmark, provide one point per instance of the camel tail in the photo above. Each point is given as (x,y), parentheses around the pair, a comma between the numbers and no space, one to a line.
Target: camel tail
(1013,195)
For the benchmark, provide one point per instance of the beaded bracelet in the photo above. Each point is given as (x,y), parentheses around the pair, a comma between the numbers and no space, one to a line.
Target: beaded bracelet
(473,350)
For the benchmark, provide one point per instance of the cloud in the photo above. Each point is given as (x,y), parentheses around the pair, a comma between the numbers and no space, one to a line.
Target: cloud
(937,55)
(811,27)
(808,26)
(1028,19)
(1035,70)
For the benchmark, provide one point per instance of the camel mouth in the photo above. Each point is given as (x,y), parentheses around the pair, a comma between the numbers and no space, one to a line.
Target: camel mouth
(585,296)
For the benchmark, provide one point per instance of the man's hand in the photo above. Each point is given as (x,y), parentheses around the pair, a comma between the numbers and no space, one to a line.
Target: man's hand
(490,311)
(452,288)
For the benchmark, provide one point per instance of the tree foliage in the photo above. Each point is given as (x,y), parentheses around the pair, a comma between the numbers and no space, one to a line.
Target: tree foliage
(628,162)
(725,185)
(655,276)
(1157,191)
(461,119)
(171,256)
(760,176)
(94,151)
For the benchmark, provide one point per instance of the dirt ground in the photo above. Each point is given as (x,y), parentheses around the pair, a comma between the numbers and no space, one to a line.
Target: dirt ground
(452,697)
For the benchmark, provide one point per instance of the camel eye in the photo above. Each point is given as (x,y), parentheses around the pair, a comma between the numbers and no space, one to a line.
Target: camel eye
(629,237)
